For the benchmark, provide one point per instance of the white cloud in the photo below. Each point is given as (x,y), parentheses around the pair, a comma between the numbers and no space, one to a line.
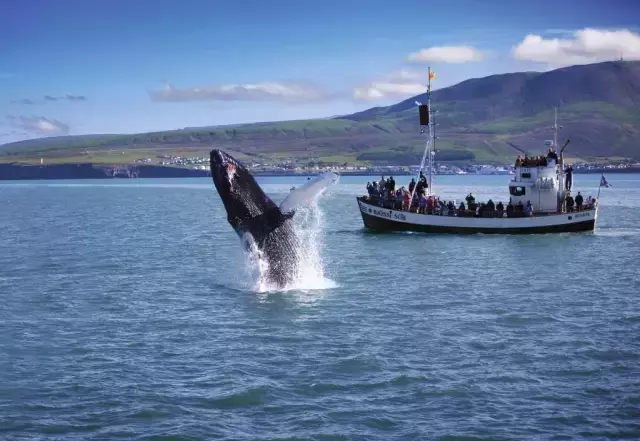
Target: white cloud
(39,125)
(75,97)
(447,54)
(403,83)
(287,91)
(586,46)
(23,101)
(50,98)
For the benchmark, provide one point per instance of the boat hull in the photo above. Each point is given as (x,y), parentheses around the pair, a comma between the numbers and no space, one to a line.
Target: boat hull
(386,220)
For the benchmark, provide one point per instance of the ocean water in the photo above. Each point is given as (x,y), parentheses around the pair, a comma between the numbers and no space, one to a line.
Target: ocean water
(129,311)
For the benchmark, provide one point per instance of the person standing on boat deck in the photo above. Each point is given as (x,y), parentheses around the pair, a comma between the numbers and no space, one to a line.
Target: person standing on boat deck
(420,187)
(569,203)
(422,204)
(399,198)
(412,185)
(470,200)
(451,209)
(423,180)
(569,181)
(579,201)
(407,201)
(392,184)
(429,202)
(528,209)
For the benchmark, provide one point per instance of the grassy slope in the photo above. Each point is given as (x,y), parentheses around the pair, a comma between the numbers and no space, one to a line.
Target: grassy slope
(393,139)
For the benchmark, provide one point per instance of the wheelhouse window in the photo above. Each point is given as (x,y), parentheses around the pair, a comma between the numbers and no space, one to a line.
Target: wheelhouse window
(525,175)
(517,191)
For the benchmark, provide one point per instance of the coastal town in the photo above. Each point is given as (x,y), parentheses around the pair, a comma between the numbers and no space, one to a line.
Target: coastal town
(289,166)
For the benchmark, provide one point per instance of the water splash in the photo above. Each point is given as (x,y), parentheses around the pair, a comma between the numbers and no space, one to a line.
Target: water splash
(309,266)
(257,266)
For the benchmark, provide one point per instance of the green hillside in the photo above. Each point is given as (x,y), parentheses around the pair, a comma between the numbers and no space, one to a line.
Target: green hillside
(599,108)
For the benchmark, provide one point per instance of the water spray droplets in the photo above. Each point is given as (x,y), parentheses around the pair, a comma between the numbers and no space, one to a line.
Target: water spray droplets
(309,268)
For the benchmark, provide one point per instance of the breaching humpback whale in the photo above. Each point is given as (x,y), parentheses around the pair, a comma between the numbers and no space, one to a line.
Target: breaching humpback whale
(251,212)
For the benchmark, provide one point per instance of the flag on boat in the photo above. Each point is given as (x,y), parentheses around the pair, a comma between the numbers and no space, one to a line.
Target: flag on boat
(432,75)
(604,183)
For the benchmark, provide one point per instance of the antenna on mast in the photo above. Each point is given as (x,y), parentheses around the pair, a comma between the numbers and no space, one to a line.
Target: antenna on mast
(425,120)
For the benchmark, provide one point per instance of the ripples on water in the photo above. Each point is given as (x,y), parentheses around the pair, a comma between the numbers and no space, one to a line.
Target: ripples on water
(127,314)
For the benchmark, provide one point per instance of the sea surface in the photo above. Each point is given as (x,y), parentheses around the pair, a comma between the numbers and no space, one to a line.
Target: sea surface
(129,311)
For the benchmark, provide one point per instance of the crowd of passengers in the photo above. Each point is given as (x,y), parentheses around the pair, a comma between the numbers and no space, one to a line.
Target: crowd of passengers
(537,161)
(385,194)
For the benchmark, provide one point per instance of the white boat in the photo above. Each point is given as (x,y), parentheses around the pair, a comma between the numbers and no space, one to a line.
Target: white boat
(383,219)
(538,185)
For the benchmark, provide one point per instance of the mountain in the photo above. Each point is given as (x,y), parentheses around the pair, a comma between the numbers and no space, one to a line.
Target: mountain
(525,94)
(598,107)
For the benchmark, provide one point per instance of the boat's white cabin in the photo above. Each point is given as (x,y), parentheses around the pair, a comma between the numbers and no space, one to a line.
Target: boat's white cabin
(542,185)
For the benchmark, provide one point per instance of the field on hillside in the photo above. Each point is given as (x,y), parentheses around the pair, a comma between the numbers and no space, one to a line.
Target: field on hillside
(489,154)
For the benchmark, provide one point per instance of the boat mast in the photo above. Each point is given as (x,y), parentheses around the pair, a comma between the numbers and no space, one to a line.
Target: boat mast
(427,148)
(430,146)
(555,146)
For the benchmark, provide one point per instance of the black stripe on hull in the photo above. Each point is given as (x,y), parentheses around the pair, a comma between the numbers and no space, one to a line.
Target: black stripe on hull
(388,225)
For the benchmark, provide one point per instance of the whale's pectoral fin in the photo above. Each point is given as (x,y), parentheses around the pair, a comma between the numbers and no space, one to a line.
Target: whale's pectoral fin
(287,206)
(307,192)
(296,197)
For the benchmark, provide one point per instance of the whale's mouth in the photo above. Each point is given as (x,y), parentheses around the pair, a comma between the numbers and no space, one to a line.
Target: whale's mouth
(223,167)
(231,172)
(241,195)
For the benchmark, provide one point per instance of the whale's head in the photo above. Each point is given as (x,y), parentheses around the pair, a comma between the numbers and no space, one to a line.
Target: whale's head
(240,193)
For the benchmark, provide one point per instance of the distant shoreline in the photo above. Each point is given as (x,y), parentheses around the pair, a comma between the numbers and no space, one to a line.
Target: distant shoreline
(96,171)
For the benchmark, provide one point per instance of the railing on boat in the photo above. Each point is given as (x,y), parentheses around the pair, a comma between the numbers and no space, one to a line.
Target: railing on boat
(398,206)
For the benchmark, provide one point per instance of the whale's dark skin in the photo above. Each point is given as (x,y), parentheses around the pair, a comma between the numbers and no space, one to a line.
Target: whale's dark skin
(250,210)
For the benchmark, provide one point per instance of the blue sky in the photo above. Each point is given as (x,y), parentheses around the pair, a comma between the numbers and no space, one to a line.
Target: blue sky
(139,65)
